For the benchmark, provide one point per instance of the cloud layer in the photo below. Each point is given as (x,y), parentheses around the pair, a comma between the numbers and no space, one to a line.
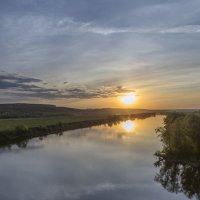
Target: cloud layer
(20,86)
(99,46)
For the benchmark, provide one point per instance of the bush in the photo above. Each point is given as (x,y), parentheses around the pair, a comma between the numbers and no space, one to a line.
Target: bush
(21,129)
(181,133)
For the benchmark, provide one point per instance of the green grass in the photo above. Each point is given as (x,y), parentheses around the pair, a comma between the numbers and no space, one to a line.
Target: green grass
(10,124)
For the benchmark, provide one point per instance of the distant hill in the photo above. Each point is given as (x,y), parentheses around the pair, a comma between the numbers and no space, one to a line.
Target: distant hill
(22,110)
(34,110)
(187,110)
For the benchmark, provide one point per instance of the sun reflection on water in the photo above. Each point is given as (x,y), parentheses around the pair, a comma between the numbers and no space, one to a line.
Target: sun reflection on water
(128,125)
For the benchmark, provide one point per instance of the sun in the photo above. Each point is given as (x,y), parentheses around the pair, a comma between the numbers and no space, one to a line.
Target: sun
(128,99)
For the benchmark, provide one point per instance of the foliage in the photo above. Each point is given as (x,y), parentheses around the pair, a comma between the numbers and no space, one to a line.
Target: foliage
(181,133)
(179,159)
(179,176)
(21,129)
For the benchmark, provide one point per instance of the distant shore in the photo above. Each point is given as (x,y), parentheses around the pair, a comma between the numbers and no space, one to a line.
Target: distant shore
(23,132)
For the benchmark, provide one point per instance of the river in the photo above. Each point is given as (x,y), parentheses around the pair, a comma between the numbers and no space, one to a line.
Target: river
(101,163)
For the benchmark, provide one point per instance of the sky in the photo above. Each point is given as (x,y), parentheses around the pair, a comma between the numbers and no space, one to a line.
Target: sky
(88,53)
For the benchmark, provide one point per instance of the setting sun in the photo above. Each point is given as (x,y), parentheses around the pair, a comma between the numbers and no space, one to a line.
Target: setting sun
(129,99)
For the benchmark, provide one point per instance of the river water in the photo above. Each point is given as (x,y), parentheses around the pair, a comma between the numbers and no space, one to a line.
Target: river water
(100,163)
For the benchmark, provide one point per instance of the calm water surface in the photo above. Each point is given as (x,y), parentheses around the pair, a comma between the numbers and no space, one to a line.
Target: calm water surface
(100,163)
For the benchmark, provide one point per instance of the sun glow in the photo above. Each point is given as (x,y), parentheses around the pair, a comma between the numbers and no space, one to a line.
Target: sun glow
(128,99)
(128,125)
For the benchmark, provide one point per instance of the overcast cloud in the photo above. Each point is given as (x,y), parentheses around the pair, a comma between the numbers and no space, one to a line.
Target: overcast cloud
(148,45)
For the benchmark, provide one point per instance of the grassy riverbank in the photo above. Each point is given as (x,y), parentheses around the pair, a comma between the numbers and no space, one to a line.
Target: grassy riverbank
(11,124)
(36,115)
(22,131)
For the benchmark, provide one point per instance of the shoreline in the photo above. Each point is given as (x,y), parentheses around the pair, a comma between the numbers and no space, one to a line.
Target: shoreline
(21,133)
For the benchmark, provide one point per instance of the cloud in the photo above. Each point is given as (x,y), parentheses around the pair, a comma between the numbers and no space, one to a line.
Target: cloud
(19,86)
(183,29)
(93,41)
(21,83)
(187,29)
(18,79)
(47,26)
(107,31)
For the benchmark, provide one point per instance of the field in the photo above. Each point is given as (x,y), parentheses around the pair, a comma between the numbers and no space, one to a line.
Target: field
(36,115)
(10,124)
(19,129)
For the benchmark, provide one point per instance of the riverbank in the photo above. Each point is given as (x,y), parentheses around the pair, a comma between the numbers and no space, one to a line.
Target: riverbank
(23,132)
(180,137)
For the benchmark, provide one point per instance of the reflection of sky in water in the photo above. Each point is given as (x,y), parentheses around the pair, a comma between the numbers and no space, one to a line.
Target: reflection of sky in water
(94,163)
